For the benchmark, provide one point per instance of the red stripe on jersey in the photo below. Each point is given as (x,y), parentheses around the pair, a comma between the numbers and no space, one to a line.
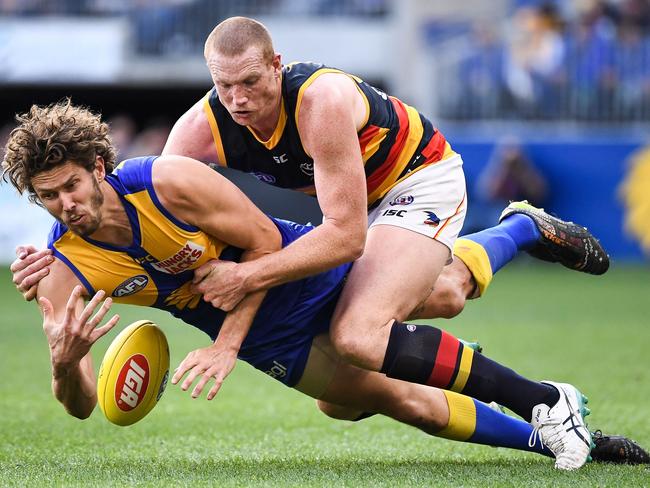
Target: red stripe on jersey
(435,149)
(366,136)
(381,173)
(446,358)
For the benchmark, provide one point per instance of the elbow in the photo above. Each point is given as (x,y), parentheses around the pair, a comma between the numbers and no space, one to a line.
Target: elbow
(356,251)
(354,245)
(80,409)
(80,413)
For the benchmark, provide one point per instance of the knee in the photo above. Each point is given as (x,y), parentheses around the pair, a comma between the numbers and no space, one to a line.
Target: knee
(351,344)
(337,411)
(450,301)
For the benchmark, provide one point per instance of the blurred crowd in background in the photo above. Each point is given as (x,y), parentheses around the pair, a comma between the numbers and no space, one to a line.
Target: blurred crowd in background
(544,59)
(583,60)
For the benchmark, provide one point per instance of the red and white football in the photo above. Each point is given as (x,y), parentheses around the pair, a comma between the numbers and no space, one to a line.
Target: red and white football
(133,374)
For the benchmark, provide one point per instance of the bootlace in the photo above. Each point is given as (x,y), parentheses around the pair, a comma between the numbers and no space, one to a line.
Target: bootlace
(535,434)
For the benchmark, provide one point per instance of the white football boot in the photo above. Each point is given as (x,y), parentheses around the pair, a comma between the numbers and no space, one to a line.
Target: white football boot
(562,427)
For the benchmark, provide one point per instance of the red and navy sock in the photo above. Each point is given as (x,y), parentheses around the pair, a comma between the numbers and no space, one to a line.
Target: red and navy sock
(430,356)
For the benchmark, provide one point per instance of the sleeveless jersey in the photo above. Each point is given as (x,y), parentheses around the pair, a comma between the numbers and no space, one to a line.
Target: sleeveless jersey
(395,139)
(156,269)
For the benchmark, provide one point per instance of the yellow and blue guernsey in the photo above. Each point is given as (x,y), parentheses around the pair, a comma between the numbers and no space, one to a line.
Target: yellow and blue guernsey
(156,270)
(395,140)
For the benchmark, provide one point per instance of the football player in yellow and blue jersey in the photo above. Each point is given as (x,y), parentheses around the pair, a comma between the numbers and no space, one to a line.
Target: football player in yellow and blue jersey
(137,233)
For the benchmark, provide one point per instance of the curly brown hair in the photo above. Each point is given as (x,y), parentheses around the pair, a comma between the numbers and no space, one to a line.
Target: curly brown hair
(50,136)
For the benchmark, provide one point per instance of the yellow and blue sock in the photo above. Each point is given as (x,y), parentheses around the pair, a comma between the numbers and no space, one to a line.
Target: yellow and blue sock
(473,421)
(486,252)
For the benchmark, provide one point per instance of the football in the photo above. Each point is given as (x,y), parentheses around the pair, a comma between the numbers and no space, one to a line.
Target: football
(133,374)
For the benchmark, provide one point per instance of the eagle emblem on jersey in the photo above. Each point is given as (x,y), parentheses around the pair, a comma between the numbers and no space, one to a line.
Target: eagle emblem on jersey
(182,260)
(182,298)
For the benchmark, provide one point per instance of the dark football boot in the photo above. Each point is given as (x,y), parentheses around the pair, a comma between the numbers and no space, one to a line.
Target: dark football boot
(617,449)
(564,242)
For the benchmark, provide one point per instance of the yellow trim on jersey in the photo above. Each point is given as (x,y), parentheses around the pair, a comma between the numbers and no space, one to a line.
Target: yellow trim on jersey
(375,142)
(477,261)
(412,142)
(214,128)
(106,270)
(165,237)
(272,141)
(462,417)
(322,71)
(463,370)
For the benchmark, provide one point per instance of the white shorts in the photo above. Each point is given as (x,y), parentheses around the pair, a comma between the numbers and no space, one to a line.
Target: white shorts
(432,202)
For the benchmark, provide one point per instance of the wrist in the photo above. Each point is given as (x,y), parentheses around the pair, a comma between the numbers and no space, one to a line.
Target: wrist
(60,370)
(248,272)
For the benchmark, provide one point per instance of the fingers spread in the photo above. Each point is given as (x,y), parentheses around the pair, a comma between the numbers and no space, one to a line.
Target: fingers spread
(215,389)
(188,363)
(46,308)
(90,307)
(205,377)
(101,331)
(72,305)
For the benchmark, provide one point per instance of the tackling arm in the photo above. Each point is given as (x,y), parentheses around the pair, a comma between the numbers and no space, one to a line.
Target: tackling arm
(332,109)
(199,196)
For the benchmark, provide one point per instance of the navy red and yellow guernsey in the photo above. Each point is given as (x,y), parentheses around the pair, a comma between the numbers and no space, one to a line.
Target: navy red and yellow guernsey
(395,141)
(156,270)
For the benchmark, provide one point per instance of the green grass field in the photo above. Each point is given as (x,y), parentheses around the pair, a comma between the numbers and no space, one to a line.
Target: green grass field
(544,321)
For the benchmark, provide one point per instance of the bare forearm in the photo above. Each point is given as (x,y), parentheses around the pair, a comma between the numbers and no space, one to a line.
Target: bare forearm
(75,388)
(319,250)
(238,322)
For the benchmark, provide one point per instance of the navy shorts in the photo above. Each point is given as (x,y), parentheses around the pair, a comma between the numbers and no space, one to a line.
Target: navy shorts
(289,318)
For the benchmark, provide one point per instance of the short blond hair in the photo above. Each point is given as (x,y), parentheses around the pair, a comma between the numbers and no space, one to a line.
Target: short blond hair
(50,136)
(235,35)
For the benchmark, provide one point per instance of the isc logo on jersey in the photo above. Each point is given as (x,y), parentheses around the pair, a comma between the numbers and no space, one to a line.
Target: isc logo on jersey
(132,382)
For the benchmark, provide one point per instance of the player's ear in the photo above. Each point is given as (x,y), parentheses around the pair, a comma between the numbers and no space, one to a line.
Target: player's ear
(100,168)
(277,64)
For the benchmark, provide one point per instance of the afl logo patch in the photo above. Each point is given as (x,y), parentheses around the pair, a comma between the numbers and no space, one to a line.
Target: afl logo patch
(405,200)
(130,286)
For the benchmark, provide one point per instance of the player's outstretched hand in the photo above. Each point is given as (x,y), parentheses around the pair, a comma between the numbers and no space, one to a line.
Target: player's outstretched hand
(220,284)
(71,339)
(30,267)
(212,362)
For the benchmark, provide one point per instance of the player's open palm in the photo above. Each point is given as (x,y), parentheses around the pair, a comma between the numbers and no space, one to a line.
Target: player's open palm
(71,338)
(212,362)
